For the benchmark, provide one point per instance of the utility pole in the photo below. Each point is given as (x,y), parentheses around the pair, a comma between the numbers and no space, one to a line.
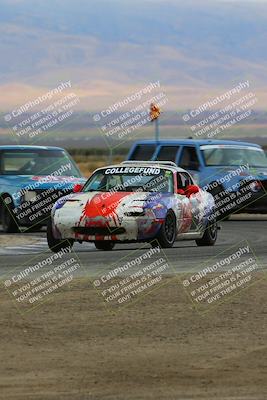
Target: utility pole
(154,116)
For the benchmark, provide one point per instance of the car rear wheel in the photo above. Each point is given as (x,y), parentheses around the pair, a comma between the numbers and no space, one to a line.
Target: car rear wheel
(210,235)
(167,233)
(104,245)
(8,219)
(56,245)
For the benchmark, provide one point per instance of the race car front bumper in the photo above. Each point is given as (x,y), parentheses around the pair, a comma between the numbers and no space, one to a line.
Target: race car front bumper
(100,228)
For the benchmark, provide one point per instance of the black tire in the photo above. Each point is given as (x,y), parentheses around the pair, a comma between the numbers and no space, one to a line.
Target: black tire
(105,245)
(54,244)
(168,231)
(210,235)
(8,219)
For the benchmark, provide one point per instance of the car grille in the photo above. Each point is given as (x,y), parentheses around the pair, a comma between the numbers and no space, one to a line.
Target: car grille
(98,230)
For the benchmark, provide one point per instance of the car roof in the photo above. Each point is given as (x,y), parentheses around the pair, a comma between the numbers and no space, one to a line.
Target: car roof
(198,142)
(28,147)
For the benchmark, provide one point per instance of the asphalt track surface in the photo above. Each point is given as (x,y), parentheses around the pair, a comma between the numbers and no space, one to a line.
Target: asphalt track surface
(184,257)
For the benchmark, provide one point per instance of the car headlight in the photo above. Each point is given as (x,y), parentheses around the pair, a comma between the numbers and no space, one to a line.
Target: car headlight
(30,195)
(255,186)
(135,208)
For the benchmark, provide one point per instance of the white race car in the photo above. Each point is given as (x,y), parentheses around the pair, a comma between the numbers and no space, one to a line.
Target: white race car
(134,201)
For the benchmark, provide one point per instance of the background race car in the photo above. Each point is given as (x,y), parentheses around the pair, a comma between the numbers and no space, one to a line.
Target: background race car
(229,170)
(32,179)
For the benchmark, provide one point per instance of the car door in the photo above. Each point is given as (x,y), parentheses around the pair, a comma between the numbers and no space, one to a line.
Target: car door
(194,205)
(184,208)
(189,160)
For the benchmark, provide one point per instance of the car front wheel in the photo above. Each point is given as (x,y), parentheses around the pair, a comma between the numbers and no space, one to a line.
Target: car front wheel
(57,245)
(167,233)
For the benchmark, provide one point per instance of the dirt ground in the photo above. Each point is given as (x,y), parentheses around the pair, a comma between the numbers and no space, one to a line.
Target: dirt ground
(16,240)
(160,347)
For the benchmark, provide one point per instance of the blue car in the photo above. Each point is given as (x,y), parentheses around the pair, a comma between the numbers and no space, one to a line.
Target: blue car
(234,172)
(32,179)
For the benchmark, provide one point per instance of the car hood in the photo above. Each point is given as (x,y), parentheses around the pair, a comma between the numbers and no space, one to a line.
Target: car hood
(105,203)
(217,173)
(255,172)
(42,182)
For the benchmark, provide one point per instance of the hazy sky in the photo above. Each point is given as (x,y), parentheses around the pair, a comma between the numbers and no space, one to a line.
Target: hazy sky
(116,46)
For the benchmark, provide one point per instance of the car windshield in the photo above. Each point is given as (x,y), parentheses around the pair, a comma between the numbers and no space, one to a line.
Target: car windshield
(234,156)
(38,162)
(131,179)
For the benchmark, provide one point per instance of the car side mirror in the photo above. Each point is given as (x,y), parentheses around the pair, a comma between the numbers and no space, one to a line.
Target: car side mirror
(77,188)
(180,191)
(191,189)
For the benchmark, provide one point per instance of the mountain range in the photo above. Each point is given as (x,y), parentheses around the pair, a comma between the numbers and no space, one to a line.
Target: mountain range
(110,48)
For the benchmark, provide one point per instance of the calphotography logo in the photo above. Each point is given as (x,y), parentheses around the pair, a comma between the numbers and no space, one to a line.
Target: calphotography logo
(134,276)
(30,285)
(228,275)
(124,119)
(38,117)
(234,189)
(215,117)
(32,200)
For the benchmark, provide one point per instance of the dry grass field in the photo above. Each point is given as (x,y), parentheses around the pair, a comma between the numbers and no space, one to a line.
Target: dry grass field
(158,348)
